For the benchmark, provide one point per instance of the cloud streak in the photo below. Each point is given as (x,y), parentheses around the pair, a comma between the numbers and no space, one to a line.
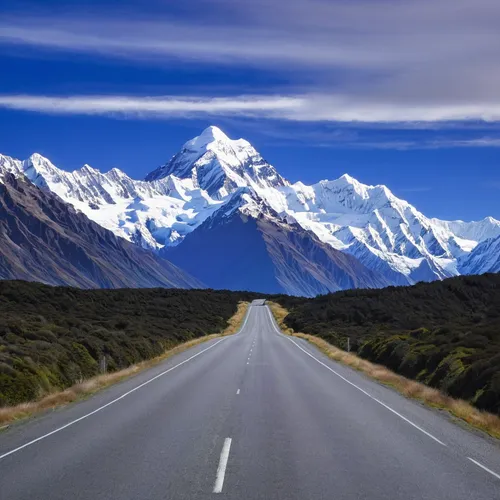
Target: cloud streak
(167,106)
(364,61)
(304,108)
(415,52)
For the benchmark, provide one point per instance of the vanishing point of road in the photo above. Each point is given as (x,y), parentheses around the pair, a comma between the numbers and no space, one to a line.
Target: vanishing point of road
(256,415)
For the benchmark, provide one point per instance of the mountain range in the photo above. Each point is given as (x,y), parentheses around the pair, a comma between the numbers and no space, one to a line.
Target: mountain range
(44,239)
(221,212)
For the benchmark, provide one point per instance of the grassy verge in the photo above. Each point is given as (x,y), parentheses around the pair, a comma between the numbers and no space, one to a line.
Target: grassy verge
(409,388)
(88,387)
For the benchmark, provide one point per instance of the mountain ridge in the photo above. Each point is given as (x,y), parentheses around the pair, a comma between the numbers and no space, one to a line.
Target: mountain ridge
(44,239)
(247,248)
(385,233)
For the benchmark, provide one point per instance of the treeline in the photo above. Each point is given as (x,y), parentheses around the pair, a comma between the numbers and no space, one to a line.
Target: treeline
(53,337)
(445,334)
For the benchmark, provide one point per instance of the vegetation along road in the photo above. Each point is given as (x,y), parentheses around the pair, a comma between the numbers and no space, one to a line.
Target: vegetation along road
(256,415)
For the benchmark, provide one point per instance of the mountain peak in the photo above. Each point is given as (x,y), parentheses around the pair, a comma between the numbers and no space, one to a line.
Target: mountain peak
(208,136)
(347,178)
(219,165)
(88,169)
(37,158)
(491,220)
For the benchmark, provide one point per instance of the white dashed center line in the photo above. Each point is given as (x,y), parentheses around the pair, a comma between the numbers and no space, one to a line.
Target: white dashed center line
(221,471)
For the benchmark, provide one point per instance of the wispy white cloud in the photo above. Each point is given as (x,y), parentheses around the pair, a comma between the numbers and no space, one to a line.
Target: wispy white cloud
(434,59)
(443,143)
(481,142)
(305,108)
(167,106)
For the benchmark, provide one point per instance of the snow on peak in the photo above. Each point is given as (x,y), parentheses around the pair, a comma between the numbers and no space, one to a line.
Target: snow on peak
(220,165)
(10,165)
(214,175)
(89,170)
(348,179)
(209,135)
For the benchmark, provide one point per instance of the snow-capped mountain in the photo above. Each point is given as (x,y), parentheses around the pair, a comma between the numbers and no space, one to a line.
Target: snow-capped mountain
(44,239)
(485,258)
(219,165)
(153,214)
(246,245)
(386,233)
(213,175)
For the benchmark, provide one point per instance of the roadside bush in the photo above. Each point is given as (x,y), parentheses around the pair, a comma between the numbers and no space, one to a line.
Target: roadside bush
(445,334)
(53,337)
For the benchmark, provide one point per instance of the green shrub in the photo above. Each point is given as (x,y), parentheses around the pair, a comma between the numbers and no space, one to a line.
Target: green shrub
(445,334)
(52,337)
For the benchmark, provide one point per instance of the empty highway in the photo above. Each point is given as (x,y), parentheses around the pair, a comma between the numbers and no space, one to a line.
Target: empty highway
(257,415)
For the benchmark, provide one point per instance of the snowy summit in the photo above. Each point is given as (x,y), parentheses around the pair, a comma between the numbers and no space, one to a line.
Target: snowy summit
(212,172)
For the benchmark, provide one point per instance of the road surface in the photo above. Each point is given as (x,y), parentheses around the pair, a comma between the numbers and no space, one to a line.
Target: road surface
(258,415)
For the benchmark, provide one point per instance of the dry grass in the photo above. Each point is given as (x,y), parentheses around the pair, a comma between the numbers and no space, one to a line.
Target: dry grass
(411,389)
(88,387)
(235,322)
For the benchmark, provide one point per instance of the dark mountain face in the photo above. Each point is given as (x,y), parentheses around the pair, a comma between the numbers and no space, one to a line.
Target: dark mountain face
(306,266)
(386,234)
(44,239)
(243,252)
(230,256)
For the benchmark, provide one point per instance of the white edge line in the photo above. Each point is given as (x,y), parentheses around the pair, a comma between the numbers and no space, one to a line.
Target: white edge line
(484,468)
(221,470)
(354,385)
(69,424)
(107,404)
(237,392)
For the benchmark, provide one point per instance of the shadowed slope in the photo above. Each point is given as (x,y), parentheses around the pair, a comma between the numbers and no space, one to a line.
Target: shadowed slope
(45,239)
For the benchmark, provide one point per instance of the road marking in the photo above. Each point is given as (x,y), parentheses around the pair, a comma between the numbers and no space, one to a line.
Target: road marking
(484,468)
(237,392)
(122,396)
(356,386)
(221,470)
(107,404)
(244,322)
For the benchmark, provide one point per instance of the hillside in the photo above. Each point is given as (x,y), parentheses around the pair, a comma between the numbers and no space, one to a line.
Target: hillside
(44,239)
(444,334)
(52,337)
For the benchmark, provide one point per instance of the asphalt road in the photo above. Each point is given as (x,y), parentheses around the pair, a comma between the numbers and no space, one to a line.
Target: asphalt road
(254,416)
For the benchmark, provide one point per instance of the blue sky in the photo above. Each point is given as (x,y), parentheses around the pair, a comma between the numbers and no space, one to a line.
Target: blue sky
(403,93)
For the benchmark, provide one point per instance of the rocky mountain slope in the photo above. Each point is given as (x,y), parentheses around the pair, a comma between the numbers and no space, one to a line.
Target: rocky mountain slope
(203,181)
(485,258)
(44,239)
(247,246)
